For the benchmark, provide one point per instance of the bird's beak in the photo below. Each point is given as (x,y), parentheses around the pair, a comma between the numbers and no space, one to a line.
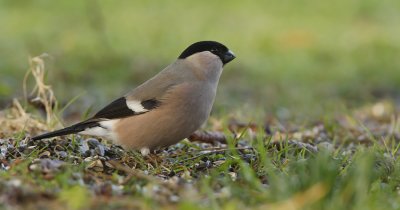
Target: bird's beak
(228,57)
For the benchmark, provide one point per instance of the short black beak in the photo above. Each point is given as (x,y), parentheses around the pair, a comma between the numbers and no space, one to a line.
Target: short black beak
(228,57)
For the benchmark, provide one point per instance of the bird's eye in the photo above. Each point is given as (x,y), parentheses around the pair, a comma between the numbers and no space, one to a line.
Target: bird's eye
(214,50)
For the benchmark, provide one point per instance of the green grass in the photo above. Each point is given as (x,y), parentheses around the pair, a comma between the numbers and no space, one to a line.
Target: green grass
(265,175)
(315,73)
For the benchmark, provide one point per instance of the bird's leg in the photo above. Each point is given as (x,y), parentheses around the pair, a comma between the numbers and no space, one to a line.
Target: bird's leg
(145,151)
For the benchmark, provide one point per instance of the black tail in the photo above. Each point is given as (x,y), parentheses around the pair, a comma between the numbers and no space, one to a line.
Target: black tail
(68,130)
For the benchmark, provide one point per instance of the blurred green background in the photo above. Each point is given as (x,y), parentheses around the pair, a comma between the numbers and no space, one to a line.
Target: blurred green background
(303,57)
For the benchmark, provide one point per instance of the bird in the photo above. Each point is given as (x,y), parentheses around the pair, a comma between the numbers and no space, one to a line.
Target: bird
(165,109)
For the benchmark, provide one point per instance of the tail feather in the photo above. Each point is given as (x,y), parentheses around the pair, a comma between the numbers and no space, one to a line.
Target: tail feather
(68,130)
(61,132)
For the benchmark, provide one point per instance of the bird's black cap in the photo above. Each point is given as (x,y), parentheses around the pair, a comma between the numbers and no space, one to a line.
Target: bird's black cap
(212,46)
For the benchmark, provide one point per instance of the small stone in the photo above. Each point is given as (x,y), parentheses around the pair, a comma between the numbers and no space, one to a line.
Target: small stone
(100,150)
(45,154)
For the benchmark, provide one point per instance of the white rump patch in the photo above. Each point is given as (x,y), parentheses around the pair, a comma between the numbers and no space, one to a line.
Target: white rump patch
(105,129)
(136,106)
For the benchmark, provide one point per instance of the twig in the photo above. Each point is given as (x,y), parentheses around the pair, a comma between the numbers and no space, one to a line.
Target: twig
(208,137)
(215,151)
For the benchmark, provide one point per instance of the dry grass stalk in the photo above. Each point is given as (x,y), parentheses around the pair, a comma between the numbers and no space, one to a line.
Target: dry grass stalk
(41,91)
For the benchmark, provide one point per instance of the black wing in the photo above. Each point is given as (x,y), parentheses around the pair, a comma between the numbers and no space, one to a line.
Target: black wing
(119,109)
(116,109)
